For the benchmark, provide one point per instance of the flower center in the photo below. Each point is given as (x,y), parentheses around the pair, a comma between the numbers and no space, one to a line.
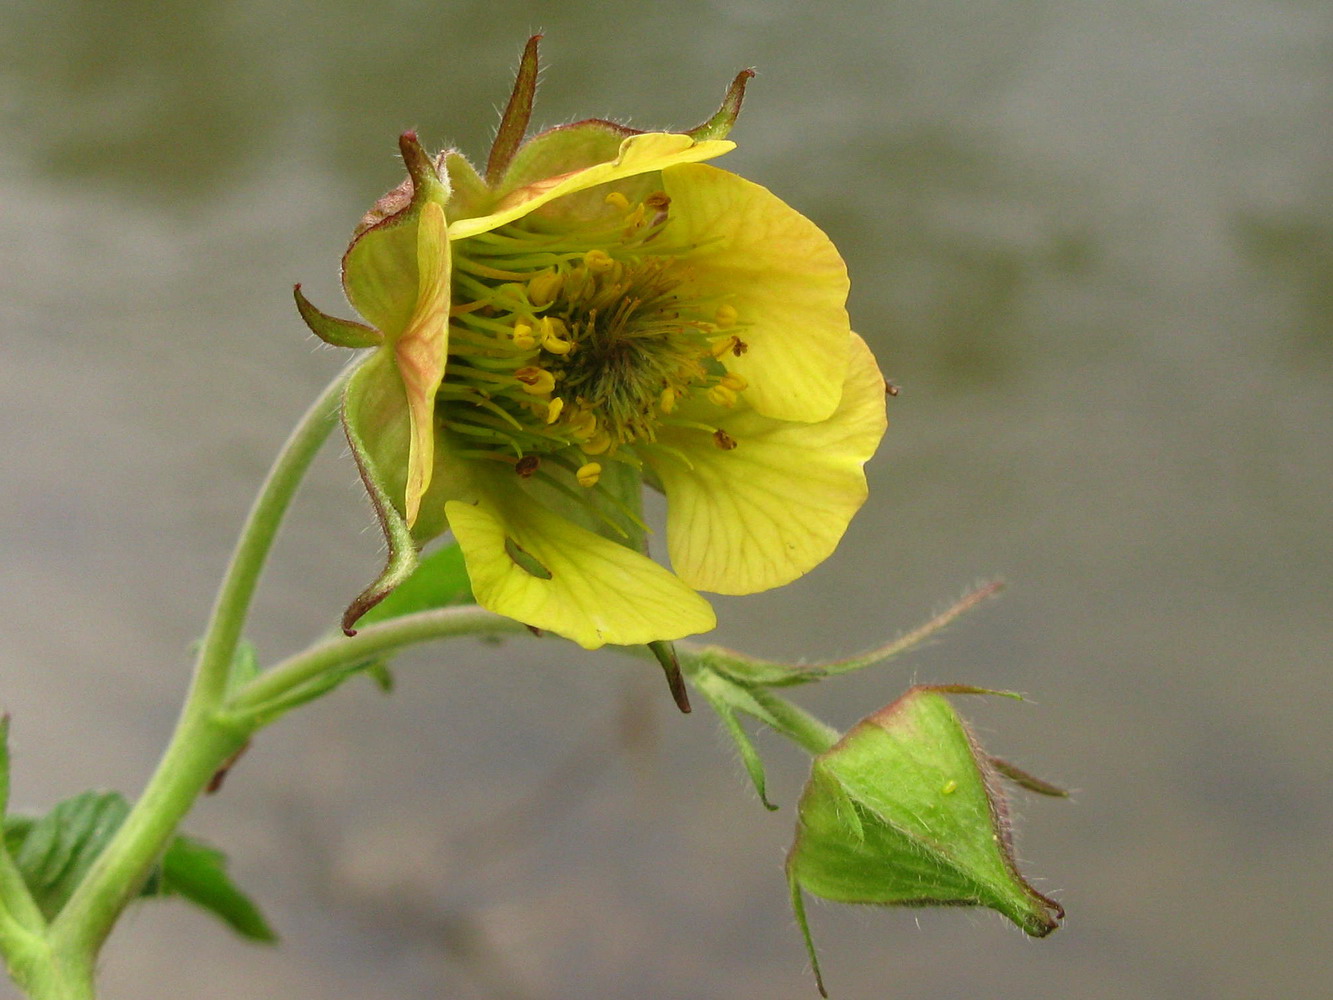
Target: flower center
(568,344)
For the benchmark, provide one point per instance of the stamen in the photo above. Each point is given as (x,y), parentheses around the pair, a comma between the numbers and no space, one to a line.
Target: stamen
(598,261)
(528,464)
(523,338)
(536,381)
(617,200)
(726,316)
(597,444)
(734,382)
(667,402)
(582,424)
(553,409)
(588,474)
(554,334)
(723,440)
(720,395)
(721,345)
(544,287)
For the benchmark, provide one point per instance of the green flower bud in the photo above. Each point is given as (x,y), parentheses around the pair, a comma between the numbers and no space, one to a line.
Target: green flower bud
(907,810)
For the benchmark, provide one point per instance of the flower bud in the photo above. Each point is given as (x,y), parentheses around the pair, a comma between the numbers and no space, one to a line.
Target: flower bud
(907,810)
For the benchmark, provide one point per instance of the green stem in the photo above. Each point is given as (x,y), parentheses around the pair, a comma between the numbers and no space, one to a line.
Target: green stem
(249,705)
(796,723)
(202,740)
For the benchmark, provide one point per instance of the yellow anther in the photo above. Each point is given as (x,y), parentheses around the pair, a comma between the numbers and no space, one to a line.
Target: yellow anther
(543,288)
(589,474)
(582,424)
(721,345)
(635,218)
(734,382)
(598,443)
(599,261)
(720,395)
(667,403)
(724,440)
(553,409)
(535,381)
(726,316)
(554,335)
(523,338)
(617,200)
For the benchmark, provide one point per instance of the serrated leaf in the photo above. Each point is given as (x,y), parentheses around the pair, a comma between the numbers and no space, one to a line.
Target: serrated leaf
(55,851)
(439,581)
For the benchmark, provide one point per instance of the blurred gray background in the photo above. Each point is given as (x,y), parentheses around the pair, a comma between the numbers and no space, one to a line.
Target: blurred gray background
(1093,242)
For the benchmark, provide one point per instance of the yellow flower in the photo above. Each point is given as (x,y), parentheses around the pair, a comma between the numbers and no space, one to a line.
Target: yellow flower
(604,293)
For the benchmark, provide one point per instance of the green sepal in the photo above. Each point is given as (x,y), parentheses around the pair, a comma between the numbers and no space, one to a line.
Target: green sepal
(726,699)
(54,852)
(375,410)
(724,120)
(906,810)
(331,330)
(752,671)
(469,196)
(562,150)
(517,114)
(379,269)
(439,581)
(665,653)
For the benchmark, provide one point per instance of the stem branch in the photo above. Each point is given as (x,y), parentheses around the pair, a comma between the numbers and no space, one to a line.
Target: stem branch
(248,706)
(202,740)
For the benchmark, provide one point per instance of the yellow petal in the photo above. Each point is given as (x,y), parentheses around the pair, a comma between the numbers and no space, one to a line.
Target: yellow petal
(639,154)
(422,348)
(775,506)
(781,275)
(576,584)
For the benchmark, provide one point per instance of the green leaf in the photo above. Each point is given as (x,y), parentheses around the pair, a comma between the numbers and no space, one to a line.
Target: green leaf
(55,851)
(198,873)
(439,581)
(907,810)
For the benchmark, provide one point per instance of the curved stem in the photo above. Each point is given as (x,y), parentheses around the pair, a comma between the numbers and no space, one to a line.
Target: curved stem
(249,705)
(202,740)
(256,539)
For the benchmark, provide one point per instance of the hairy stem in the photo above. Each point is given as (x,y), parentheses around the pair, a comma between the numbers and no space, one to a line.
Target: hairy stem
(249,705)
(201,741)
